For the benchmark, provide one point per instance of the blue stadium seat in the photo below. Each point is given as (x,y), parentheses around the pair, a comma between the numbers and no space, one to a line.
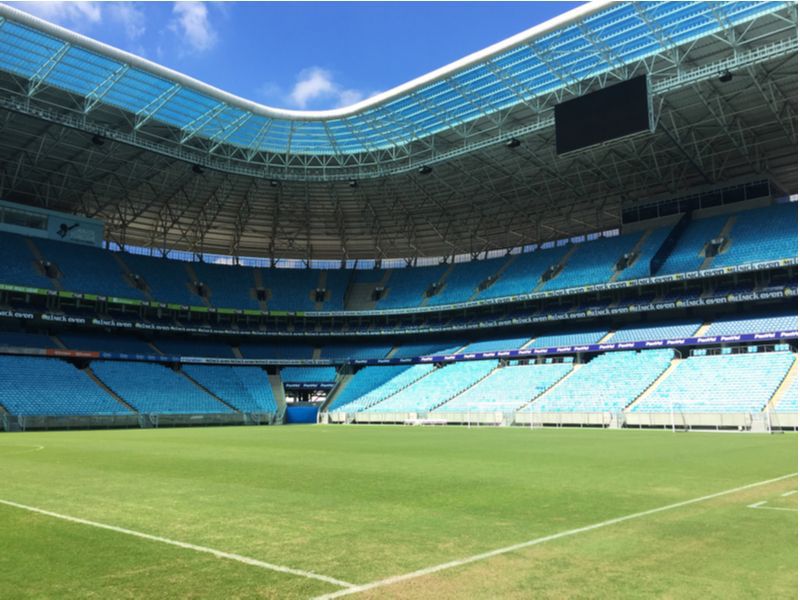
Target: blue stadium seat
(48,386)
(154,388)
(247,389)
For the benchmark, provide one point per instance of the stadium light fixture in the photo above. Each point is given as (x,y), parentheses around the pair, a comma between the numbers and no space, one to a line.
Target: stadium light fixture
(274,183)
(425,170)
(513,143)
(353,183)
(197,170)
(725,76)
(98,140)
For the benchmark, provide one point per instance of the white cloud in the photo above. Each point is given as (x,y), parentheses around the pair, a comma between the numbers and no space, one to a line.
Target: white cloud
(317,85)
(192,22)
(129,17)
(76,15)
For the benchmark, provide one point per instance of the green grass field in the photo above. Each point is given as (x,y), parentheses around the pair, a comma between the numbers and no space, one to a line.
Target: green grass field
(361,504)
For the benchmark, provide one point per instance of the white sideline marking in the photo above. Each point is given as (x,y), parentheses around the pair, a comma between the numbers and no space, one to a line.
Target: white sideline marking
(541,540)
(760,505)
(788,493)
(155,538)
(30,448)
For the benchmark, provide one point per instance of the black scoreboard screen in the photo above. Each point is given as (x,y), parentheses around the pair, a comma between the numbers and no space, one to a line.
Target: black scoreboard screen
(606,114)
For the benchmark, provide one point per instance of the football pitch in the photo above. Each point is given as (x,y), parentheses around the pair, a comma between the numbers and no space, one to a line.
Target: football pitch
(393,512)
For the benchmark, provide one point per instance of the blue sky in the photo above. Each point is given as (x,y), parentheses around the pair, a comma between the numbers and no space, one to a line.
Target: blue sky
(300,55)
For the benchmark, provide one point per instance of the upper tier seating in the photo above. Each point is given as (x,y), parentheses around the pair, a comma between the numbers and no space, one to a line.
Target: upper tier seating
(507,389)
(247,389)
(48,386)
(308,374)
(523,274)
(194,347)
(496,345)
(759,234)
(788,401)
(373,384)
(230,286)
(463,280)
(576,338)
(437,387)
(759,324)
(88,269)
(762,234)
(355,350)
(656,331)
(641,266)
(291,349)
(336,282)
(607,383)
(167,280)
(406,286)
(291,289)
(688,253)
(153,388)
(18,264)
(592,262)
(742,383)
(20,339)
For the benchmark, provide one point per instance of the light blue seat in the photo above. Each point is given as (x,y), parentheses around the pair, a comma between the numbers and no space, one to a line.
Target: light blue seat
(607,383)
(788,401)
(507,389)
(155,388)
(245,388)
(375,383)
(435,388)
(48,386)
(725,383)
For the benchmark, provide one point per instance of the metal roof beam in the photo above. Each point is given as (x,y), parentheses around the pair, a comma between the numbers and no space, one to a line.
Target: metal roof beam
(94,97)
(37,79)
(146,113)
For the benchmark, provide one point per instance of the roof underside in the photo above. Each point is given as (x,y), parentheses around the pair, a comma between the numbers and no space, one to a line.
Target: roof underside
(281,188)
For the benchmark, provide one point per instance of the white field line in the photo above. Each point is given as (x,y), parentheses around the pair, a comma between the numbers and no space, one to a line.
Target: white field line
(28,448)
(760,506)
(155,538)
(548,538)
(788,493)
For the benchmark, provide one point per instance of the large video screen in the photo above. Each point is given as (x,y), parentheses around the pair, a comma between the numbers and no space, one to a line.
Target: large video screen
(606,114)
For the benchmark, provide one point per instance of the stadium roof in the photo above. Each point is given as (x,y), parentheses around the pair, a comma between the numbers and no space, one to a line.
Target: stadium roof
(288,166)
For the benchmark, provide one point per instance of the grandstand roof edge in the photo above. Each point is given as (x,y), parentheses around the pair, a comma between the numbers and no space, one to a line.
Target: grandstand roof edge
(133,60)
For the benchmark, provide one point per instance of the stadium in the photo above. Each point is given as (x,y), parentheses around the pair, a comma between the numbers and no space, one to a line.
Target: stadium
(525,326)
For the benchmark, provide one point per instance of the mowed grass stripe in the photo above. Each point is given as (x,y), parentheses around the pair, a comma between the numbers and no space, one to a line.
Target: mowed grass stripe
(548,538)
(185,545)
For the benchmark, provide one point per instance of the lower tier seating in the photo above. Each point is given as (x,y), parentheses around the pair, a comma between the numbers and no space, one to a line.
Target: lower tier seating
(437,387)
(508,389)
(373,384)
(154,388)
(607,383)
(788,401)
(48,386)
(741,383)
(247,389)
